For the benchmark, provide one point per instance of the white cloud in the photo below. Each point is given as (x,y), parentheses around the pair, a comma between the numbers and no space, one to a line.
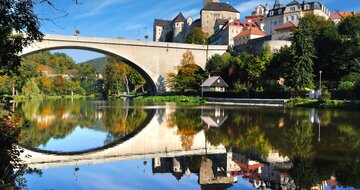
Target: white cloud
(246,8)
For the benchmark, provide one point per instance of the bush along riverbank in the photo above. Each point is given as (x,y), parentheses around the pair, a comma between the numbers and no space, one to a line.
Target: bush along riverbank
(187,99)
(324,103)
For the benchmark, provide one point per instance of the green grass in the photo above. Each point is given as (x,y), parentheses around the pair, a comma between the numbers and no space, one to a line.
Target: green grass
(333,104)
(188,99)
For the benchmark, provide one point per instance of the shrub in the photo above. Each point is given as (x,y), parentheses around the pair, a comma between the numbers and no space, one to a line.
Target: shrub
(346,85)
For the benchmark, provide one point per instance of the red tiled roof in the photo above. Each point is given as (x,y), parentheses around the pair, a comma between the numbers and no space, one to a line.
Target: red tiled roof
(288,25)
(342,15)
(251,31)
(247,167)
(238,22)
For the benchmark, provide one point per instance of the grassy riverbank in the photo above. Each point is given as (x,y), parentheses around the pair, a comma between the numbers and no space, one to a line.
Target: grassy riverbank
(189,99)
(332,104)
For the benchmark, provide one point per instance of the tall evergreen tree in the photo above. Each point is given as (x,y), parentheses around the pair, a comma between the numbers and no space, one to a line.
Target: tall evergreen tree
(299,72)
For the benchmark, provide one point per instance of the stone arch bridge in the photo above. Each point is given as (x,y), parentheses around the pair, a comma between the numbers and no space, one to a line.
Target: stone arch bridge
(152,59)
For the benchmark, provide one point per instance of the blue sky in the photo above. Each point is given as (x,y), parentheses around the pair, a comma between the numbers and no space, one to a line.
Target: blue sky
(133,19)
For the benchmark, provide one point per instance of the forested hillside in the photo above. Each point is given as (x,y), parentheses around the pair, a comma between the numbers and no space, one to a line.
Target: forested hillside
(97,63)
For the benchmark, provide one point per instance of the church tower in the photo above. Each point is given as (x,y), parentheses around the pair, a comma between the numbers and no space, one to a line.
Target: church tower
(208,1)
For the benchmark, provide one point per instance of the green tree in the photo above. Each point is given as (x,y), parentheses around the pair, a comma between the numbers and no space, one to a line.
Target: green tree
(17,18)
(196,36)
(188,77)
(350,49)
(19,27)
(86,75)
(30,88)
(299,73)
(136,80)
(113,76)
(251,67)
(215,65)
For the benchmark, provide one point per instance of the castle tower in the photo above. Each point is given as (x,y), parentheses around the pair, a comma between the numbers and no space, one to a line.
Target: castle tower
(208,1)
(277,4)
(178,27)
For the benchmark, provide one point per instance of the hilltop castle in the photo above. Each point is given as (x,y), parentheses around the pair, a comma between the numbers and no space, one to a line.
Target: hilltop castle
(222,23)
(176,30)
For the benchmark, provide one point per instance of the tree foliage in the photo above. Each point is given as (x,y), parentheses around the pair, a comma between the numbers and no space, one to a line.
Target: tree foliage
(119,77)
(16,19)
(30,88)
(188,75)
(196,36)
(215,65)
(299,73)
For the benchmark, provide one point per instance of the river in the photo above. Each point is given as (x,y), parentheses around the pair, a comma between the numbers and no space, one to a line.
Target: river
(95,144)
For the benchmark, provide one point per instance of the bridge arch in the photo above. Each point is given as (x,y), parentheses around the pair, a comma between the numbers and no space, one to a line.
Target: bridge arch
(152,59)
(105,52)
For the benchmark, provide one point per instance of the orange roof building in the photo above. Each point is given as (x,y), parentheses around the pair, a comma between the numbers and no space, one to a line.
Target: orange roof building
(338,16)
(246,35)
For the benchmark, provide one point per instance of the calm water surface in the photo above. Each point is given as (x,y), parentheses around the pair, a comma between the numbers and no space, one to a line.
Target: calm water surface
(90,144)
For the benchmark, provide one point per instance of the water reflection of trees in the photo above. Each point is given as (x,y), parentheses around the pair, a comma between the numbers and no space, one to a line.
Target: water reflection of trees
(11,167)
(58,118)
(241,131)
(188,124)
(315,155)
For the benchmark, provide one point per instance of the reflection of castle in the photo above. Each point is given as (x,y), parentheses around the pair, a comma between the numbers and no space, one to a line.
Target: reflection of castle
(223,170)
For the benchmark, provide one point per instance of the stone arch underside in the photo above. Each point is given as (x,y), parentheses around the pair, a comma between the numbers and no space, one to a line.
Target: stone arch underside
(137,67)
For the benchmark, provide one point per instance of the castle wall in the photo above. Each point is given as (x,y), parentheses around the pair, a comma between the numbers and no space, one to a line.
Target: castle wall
(208,19)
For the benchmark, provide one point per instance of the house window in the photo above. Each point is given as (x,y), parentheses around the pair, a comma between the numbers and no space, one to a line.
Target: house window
(280,11)
(280,21)
(292,18)
(292,9)
(271,13)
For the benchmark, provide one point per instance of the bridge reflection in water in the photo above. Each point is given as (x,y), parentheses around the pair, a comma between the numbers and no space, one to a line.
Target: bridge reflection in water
(177,149)
(156,140)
